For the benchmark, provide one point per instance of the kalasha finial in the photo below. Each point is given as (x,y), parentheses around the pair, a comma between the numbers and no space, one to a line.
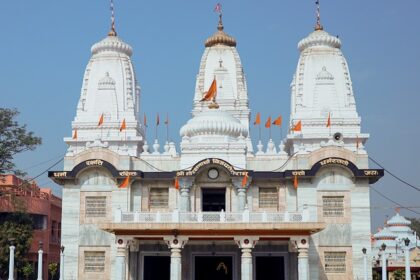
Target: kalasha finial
(318,25)
(112,32)
(218,9)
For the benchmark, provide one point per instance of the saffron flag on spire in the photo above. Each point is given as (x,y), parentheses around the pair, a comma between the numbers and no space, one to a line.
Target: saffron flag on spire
(329,120)
(176,183)
(257,119)
(123,125)
(167,119)
(144,120)
(278,121)
(218,8)
(295,182)
(245,179)
(101,120)
(157,119)
(125,183)
(298,126)
(75,134)
(268,123)
(212,92)
(357,142)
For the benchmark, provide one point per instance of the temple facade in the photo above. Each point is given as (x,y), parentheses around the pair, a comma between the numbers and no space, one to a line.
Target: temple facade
(218,205)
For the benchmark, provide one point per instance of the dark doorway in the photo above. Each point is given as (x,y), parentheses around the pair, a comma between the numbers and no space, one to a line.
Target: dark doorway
(213,268)
(214,199)
(269,268)
(156,267)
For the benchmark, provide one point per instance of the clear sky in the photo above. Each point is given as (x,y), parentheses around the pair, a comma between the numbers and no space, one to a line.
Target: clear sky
(46,46)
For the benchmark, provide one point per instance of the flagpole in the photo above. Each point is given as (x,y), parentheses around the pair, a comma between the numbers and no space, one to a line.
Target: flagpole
(259,131)
(269,131)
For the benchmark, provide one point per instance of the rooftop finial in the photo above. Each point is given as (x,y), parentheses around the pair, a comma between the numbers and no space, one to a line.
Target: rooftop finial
(218,9)
(318,25)
(112,32)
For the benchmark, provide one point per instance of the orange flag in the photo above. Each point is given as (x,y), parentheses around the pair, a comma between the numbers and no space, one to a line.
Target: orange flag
(329,120)
(357,141)
(176,183)
(167,119)
(278,121)
(75,134)
(125,183)
(101,120)
(245,179)
(123,125)
(295,182)
(157,119)
(268,123)
(212,92)
(298,126)
(144,120)
(257,119)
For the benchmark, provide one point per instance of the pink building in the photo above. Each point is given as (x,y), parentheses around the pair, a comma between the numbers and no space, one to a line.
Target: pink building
(45,210)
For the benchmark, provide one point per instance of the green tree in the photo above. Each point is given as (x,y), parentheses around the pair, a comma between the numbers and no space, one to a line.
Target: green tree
(415,224)
(17,226)
(14,139)
(399,274)
(52,268)
(28,270)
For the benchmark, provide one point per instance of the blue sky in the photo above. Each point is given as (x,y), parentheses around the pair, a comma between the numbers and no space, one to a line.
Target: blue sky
(46,44)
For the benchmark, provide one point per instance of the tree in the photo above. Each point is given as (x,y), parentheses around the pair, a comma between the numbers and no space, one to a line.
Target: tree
(17,227)
(415,224)
(399,274)
(27,270)
(52,267)
(14,139)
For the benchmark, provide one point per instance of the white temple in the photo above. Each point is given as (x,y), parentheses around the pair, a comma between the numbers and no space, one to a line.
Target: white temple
(214,207)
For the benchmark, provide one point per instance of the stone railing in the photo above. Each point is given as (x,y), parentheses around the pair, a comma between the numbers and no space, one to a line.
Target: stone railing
(211,217)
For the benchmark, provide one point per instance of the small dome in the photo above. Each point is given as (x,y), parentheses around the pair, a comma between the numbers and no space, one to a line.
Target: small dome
(112,44)
(398,220)
(385,233)
(220,37)
(319,38)
(214,122)
(106,82)
(324,75)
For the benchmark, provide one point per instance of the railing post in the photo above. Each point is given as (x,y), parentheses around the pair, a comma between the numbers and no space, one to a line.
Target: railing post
(222,216)
(175,216)
(158,217)
(264,217)
(200,217)
(305,214)
(136,217)
(286,216)
(118,215)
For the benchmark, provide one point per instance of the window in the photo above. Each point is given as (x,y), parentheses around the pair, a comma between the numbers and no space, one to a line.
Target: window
(159,198)
(268,197)
(333,206)
(94,261)
(335,262)
(95,206)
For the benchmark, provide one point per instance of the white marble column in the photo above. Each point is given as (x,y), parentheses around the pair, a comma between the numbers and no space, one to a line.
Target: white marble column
(246,244)
(302,246)
(40,252)
(120,260)
(241,191)
(11,262)
(62,262)
(134,260)
(176,243)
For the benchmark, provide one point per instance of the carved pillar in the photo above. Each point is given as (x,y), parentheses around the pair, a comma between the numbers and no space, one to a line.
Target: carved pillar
(120,261)
(176,243)
(185,185)
(246,244)
(302,246)
(241,186)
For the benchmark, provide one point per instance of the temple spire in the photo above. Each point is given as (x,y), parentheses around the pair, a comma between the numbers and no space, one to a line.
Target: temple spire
(318,25)
(112,32)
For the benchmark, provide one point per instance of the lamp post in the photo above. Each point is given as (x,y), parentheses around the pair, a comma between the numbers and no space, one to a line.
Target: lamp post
(383,247)
(11,258)
(407,259)
(364,250)
(62,262)
(40,260)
